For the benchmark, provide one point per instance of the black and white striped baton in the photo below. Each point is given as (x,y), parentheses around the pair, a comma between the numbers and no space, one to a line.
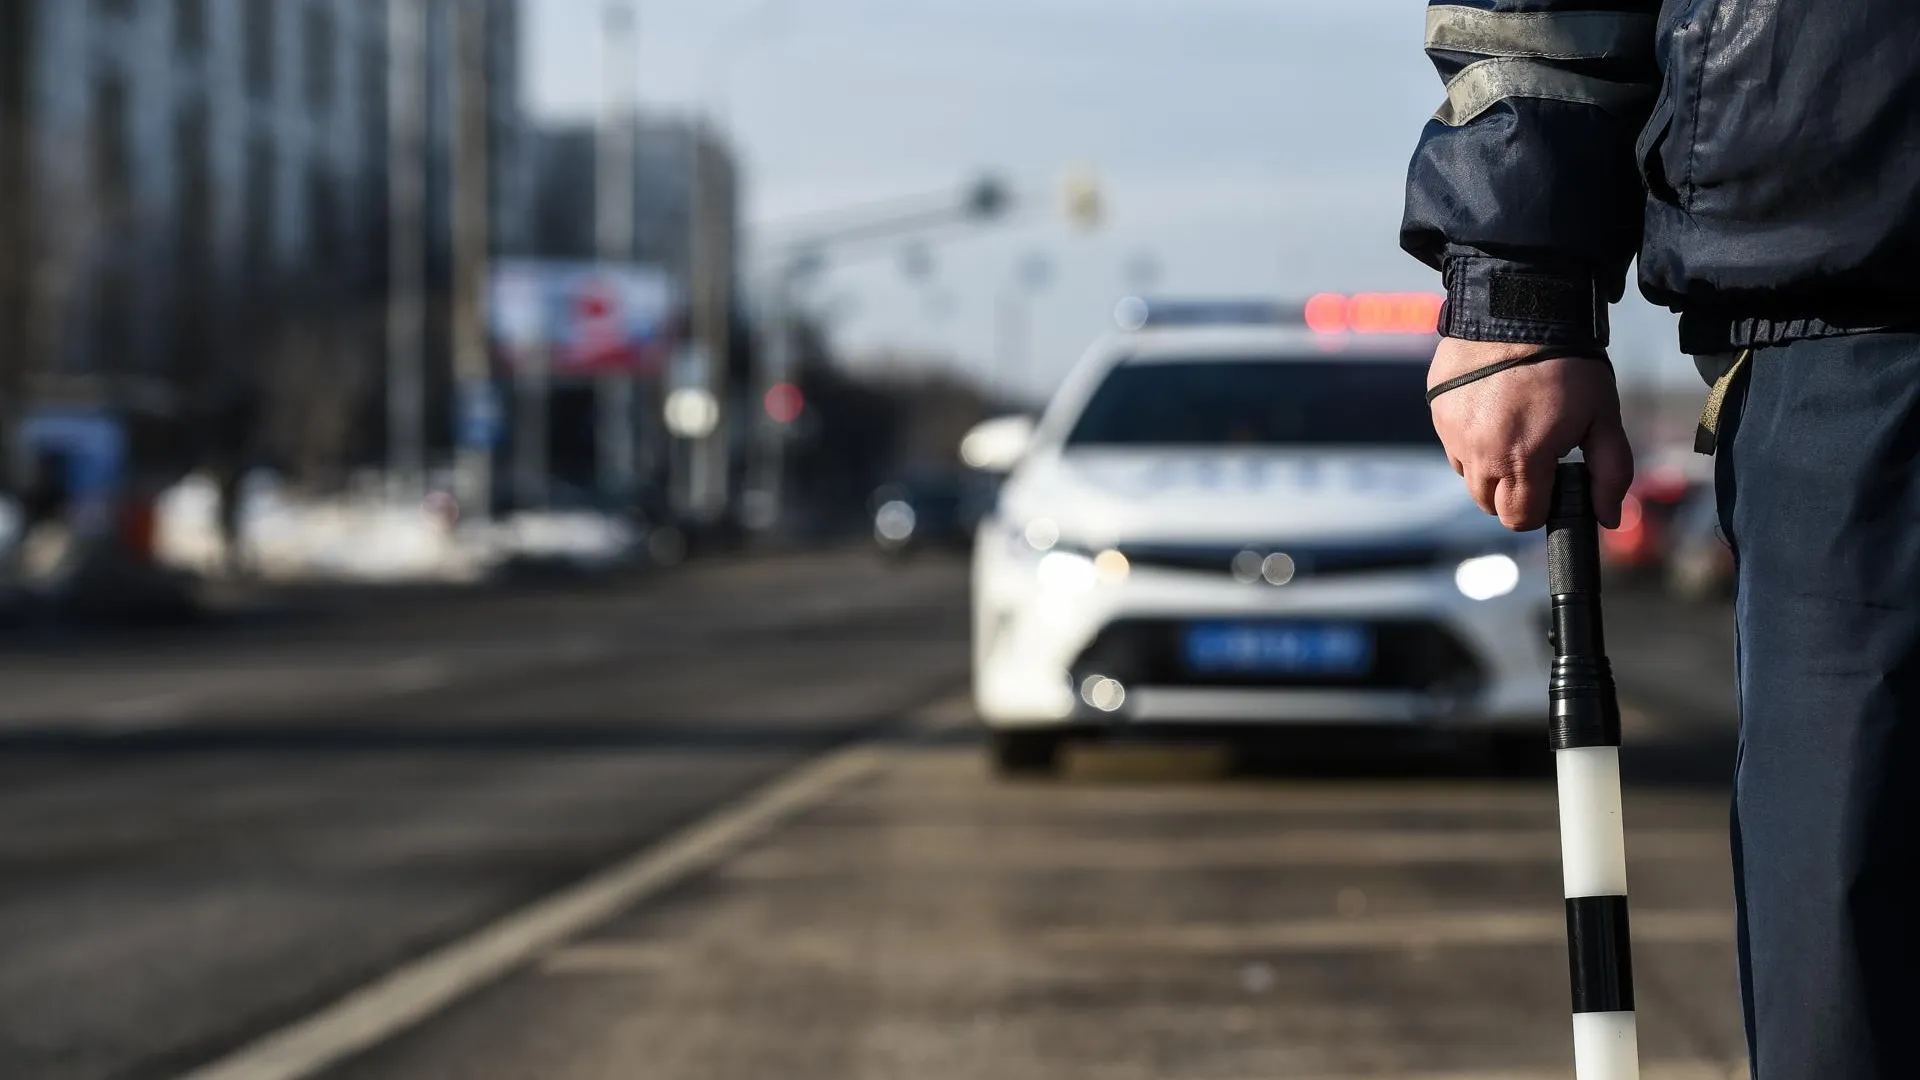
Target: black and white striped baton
(1585,718)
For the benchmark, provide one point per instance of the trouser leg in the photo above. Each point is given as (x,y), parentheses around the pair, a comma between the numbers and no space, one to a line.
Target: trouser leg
(1820,489)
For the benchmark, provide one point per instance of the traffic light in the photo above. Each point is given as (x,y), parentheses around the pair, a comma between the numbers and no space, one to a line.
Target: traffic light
(784,403)
(1085,206)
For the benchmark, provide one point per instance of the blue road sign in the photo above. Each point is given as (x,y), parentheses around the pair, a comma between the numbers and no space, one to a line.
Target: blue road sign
(482,418)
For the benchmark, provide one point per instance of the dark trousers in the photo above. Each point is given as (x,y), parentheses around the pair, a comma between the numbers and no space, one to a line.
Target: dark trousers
(1819,487)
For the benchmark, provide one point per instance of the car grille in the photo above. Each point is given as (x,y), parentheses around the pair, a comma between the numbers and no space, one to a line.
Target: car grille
(1309,560)
(1408,655)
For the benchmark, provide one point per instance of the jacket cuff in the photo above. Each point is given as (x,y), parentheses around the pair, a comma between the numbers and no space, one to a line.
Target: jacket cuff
(1491,299)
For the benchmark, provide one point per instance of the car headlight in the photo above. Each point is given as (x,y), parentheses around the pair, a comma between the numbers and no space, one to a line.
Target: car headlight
(1064,570)
(1060,566)
(1487,577)
(1498,566)
(895,521)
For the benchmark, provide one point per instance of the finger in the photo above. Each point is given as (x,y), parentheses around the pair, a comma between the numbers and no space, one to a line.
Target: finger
(1610,462)
(1484,486)
(1521,499)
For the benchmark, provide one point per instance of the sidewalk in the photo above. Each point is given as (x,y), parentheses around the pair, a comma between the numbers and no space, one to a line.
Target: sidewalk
(1143,920)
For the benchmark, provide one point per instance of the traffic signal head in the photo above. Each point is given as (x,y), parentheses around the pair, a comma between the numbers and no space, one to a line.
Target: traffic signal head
(1085,206)
(784,403)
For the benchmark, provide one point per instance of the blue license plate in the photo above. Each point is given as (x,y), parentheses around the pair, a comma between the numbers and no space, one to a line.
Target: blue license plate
(1279,649)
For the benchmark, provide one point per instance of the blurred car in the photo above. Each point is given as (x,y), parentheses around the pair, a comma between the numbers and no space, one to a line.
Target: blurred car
(574,527)
(1639,547)
(1244,525)
(1700,562)
(928,510)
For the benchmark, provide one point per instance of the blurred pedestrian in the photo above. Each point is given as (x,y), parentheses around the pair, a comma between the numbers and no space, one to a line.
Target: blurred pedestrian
(230,486)
(1761,159)
(233,414)
(48,492)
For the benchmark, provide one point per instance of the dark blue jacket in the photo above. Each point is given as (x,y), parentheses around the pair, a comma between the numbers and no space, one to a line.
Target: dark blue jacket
(1760,157)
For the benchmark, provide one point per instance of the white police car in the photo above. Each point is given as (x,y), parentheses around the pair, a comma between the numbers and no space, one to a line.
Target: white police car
(1233,521)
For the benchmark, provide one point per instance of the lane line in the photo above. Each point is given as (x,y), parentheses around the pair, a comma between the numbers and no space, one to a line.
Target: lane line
(369,1016)
(415,675)
(133,716)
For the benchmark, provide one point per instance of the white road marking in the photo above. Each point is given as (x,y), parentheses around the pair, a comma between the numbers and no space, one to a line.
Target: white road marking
(140,713)
(410,994)
(1427,931)
(587,648)
(265,688)
(415,675)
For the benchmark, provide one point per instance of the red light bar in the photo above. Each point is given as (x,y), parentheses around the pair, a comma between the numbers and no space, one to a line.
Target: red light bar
(1374,313)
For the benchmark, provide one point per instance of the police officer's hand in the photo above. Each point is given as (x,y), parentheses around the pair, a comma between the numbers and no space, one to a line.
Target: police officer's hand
(1506,433)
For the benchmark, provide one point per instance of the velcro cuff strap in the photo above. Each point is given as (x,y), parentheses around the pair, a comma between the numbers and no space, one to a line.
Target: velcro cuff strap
(1537,298)
(1493,300)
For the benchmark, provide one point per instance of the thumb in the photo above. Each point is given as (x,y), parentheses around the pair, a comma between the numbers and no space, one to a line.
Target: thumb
(1610,462)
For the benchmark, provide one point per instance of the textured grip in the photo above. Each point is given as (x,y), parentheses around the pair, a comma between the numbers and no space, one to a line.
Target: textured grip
(1573,536)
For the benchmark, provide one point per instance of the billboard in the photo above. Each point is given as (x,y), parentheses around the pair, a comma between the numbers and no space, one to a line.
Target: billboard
(581,319)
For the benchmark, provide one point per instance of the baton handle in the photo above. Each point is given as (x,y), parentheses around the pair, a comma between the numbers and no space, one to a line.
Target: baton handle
(1584,727)
(1586,711)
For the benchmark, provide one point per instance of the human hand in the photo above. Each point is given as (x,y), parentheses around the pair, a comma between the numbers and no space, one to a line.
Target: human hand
(1505,434)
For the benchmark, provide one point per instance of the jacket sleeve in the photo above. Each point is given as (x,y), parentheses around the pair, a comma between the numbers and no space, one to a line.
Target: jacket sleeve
(1524,190)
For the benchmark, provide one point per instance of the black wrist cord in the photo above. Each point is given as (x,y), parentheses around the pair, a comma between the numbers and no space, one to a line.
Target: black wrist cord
(1550,353)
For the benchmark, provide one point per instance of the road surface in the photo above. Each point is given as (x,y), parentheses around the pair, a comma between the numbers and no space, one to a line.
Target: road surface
(733,822)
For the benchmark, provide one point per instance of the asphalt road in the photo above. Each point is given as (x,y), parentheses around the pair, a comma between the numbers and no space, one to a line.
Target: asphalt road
(208,836)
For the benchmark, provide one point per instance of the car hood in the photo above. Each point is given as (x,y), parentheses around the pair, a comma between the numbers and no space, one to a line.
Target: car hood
(1129,496)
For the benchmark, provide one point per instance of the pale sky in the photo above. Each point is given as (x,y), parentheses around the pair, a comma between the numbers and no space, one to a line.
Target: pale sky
(1250,147)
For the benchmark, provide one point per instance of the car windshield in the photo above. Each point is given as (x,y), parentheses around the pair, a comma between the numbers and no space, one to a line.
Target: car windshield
(1259,402)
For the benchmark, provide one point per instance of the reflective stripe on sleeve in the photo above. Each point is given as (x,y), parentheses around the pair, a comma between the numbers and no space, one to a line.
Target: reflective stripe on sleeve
(1480,86)
(1540,35)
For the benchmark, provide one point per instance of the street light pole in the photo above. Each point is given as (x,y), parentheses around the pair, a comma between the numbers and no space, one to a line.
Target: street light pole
(1010,337)
(472,362)
(768,446)
(1013,322)
(406,248)
(614,391)
(709,272)
(711,249)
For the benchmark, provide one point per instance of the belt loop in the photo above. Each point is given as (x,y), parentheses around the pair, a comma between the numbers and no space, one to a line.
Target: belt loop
(1706,438)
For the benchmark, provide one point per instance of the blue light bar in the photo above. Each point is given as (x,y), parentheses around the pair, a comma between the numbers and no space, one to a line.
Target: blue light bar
(1325,313)
(1136,313)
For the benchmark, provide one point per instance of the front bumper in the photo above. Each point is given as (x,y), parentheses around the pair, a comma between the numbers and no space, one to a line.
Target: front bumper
(1442,659)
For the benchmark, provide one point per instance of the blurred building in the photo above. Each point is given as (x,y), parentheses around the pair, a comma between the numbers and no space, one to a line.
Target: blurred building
(193,198)
(672,156)
(563,166)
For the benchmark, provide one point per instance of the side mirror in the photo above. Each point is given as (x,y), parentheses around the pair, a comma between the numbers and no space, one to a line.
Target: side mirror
(997,445)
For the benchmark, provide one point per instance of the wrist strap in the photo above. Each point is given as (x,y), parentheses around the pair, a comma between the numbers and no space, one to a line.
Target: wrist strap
(1550,353)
